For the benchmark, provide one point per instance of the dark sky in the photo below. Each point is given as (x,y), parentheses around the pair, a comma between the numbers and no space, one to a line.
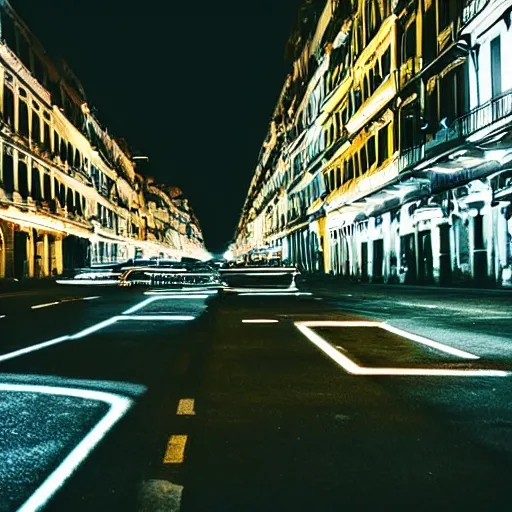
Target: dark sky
(191,86)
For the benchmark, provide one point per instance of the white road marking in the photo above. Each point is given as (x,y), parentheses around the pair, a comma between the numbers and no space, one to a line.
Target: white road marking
(48,304)
(32,348)
(118,407)
(259,321)
(94,328)
(93,298)
(89,282)
(349,366)
(3,316)
(430,343)
(276,294)
(165,318)
(186,407)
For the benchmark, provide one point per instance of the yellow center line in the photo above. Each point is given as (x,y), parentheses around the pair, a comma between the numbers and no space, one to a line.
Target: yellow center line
(175,452)
(186,407)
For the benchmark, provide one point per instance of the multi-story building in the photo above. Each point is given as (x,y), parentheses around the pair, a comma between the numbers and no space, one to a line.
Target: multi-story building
(69,194)
(389,156)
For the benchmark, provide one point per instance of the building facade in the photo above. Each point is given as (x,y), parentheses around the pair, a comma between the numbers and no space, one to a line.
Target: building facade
(389,153)
(69,192)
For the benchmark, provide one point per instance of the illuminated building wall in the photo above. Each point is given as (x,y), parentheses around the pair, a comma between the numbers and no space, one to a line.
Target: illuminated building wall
(69,194)
(389,153)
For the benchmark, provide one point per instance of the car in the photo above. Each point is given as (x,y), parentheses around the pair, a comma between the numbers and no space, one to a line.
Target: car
(187,276)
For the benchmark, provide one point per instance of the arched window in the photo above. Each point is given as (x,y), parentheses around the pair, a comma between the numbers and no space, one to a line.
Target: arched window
(8,170)
(22,117)
(8,106)
(36,127)
(70,204)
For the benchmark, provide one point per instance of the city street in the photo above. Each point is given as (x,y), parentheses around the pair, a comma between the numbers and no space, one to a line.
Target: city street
(344,397)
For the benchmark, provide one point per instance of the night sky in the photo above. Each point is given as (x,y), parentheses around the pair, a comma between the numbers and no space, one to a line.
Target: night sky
(192,85)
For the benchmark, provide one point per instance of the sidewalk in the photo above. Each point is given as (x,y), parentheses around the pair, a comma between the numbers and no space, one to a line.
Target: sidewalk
(336,284)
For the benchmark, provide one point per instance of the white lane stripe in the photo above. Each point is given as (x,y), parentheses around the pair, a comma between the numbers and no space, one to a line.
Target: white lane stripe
(404,334)
(259,321)
(118,407)
(48,304)
(350,367)
(32,348)
(94,328)
(430,343)
(167,318)
(140,305)
(92,298)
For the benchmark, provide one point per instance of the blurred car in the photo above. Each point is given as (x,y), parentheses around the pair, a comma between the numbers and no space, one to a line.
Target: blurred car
(260,278)
(186,276)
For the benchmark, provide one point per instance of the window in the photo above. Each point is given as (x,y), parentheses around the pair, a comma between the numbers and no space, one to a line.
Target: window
(371,151)
(364,160)
(9,106)
(409,48)
(36,184)
(56,143)
(36,127)
(47,144)
(496,66)
(23,118)
(47,187)
(356,165)
(444,14)
(23,179)
(8,170)
(338,176)
(385,63)
(383,144)
(70,154)
(78,160)
(331,180)
(70,204)
(63,151)
(349,170)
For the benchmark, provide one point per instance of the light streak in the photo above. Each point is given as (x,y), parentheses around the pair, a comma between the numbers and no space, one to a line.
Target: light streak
(277,294)
(118,407)
(80,282)
(259,321)
(350,367)
(140,305)
(92,298)
(175,452)
(2,316)
(48,304)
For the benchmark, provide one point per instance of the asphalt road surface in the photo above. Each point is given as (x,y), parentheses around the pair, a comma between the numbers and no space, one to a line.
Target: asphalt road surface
(347,398)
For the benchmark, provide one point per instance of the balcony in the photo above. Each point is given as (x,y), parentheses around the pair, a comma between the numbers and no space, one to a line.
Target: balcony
(472,8)
(483,118)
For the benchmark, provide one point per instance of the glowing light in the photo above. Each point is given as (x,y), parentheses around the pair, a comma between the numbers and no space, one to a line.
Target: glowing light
(259,321)
(184,296)
(92,298)
(278,294)
(228,255)
(32,348)
(47,305)
(2,316)
(349,366)
(118,408)
(183,291)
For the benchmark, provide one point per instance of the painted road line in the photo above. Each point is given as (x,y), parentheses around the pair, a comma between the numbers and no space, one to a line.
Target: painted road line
(118,407)
(351,367)
(429,343)
(32,348)
(162,318)
(93,298)
(47,305)
(175,452)
(186,407)
(94,328)
(259,321)
(404,334)
(3,316)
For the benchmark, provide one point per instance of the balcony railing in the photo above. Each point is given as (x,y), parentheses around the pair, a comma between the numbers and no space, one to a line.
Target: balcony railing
(472,8)
(468,124)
